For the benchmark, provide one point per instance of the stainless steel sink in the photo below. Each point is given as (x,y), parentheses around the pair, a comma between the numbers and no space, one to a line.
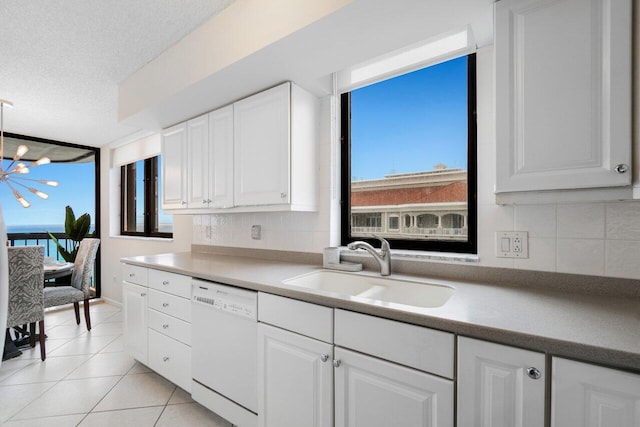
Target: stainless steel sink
(378,289)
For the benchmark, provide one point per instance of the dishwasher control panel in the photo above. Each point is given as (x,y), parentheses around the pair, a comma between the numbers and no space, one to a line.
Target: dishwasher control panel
(235,301)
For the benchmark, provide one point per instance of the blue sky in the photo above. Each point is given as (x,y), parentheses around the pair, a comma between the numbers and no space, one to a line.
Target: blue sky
(410,123)
(76,189)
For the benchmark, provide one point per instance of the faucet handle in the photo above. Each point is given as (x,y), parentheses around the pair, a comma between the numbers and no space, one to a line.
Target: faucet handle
(384,244)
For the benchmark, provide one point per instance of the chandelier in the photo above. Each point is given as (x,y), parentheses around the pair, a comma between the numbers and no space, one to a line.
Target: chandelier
(13,175)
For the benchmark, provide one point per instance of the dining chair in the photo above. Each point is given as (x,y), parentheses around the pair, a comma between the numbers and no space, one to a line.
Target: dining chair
(79,289)
(26,282)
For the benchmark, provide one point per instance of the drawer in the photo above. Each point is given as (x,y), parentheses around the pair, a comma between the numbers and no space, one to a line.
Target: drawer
(415,346)
(170,326)
(175,284)
(171,359)
(308,319)
(170,304)
(135,274)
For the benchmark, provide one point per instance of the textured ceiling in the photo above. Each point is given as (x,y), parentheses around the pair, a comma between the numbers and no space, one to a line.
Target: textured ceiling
(61,60)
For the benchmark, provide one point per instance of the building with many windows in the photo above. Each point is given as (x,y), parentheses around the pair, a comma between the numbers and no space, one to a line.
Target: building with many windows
(430,204)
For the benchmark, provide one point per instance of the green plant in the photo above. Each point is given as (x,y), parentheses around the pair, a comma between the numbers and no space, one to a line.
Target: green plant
(75,230)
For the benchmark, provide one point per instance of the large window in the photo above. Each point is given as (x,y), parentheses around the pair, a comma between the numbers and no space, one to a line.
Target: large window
(141,214)
(409,151)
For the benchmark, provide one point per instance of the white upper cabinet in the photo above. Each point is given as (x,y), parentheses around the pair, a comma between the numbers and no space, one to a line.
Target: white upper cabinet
(274,148)
(589,395)
(221,157)
(198,162)
(174,167)
(563,94)
(258,154)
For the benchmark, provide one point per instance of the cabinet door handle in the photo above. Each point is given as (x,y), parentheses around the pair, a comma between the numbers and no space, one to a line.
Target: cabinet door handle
(143,294)
(283,195)
(337,363)
(166,282)
(324,357)
(534,373)
(165,359)
(622,168)
(183,202)
(165,304)
(165,326)
(132,275)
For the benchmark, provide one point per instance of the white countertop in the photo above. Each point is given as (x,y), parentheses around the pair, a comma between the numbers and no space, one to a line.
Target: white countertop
(601,329)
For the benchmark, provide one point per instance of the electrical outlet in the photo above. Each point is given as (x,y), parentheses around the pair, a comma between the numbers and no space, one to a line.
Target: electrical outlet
(256,231)
(512,244)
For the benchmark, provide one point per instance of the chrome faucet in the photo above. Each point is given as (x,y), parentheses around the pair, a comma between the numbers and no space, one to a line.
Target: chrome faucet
(383,258)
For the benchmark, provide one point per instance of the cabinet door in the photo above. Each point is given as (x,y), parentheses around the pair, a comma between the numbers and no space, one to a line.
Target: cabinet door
(221,157)
(563,94)
(594,396)
(198,162)
(134,322)
(261,148)
(494,386)
(373,393)
(174,167)
(295,380)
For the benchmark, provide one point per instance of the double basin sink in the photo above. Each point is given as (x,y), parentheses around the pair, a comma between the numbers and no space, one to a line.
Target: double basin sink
(375,289)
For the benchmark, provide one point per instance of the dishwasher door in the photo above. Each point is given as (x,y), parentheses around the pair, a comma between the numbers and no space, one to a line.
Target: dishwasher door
(225,341)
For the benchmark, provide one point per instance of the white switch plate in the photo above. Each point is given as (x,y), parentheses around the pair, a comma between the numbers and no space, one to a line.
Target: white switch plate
(512,244)
(256,230)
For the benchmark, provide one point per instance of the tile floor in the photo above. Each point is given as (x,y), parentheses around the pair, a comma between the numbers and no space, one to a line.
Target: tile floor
(88,380)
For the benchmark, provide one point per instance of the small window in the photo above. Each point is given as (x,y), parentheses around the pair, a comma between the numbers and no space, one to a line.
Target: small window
(140,212)
(409,156)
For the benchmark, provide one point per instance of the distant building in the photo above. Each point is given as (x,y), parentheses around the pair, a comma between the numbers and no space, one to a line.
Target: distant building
(430,204)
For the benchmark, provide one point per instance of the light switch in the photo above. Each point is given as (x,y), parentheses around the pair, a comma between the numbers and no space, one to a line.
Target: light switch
(505,244)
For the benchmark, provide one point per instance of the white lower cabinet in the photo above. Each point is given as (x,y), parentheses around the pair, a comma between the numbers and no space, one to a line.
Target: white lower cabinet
(374,393)
(157,321)
(588,395)
(134,320)
(499,386)
(295,381)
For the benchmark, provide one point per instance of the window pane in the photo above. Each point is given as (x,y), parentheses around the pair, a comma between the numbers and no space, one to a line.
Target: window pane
(164,221)
(133,197)
(409,150)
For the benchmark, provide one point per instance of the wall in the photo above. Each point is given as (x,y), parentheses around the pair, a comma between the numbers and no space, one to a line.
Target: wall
(588,238)
(114,247)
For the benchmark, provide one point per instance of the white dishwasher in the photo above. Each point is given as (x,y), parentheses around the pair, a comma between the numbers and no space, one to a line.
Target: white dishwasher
(224,351)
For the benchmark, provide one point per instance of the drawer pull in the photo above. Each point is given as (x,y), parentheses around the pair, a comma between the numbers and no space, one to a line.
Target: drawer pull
(132,274)
(165,326)
(324,357)
(165,359)
(166,282)
(534,373)
(165,304)
(143,294)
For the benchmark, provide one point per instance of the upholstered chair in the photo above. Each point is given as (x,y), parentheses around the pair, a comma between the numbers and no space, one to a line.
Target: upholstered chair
(26,281)
(80,282)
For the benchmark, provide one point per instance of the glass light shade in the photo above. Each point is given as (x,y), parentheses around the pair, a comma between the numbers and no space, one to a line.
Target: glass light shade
(22,150)
(42,161)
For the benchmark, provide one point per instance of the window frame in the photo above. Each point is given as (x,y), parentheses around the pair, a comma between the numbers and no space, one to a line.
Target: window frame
(151,198)
(471,245)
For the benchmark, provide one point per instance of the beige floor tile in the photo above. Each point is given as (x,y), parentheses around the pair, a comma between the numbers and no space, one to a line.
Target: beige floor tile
(138,417)
(136,391)
(65,331)
(52,369)
(102,307)
(15,397)
(61,421)
(50,345)
(11,366)
(84,344)
(115,317)
(180,396)
(190,414)
(69,397)
(104,365)
(114,328)
(116,346)
(139,368)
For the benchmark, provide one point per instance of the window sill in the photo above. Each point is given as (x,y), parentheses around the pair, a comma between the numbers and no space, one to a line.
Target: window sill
(151,239)
(421,256)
